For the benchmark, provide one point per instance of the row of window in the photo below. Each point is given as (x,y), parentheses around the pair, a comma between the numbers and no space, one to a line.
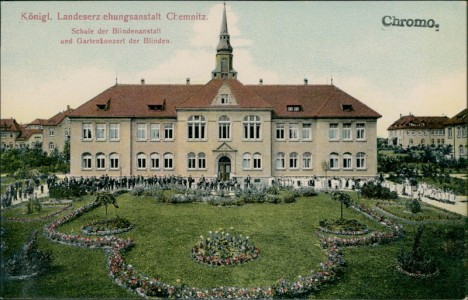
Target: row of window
(66,132)
(249,161)
(433,141)
(346,161)
(294,131)
(196,130)
(346,131)
(461,132)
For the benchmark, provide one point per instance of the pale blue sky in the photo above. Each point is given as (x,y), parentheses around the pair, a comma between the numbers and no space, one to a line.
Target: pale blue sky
(392,69)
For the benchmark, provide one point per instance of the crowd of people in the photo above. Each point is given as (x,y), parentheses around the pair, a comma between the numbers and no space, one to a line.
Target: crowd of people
(24,190)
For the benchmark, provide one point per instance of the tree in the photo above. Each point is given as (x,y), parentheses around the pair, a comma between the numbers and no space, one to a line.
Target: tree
(343,198)
(106,198)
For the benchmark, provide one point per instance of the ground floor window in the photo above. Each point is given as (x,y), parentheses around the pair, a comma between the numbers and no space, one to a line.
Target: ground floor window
(114,161)
(168,161)
(141,161)
(86,161)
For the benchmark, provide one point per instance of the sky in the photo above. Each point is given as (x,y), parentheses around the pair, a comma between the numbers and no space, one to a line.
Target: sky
(392,69)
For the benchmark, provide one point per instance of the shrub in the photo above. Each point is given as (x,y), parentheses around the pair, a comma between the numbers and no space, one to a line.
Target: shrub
(413,205)
(138,191)
(377,191)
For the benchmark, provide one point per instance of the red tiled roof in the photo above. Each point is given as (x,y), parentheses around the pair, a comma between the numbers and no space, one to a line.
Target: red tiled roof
(133,100)
(58,118)
(460,118)
(315,100)
(9,125)
(125,100)
(244,96)
(27,133)
(39,122)
(417,122)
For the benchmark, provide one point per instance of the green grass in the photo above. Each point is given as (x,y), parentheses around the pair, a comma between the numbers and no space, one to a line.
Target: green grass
(165,233)
(427,213)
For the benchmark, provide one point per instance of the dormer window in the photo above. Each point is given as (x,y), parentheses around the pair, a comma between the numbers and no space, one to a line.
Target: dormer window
(224,98)
(156,107)
(347,107)
(294,108)
(101,106)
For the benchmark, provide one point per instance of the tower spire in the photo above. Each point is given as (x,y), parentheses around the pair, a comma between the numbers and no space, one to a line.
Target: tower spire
(224,55)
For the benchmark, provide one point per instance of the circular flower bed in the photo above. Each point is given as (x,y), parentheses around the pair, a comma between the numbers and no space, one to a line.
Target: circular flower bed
(343,227)
(108,226)
(222,249)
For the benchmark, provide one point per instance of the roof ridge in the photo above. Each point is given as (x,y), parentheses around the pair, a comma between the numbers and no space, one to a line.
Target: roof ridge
(328,100)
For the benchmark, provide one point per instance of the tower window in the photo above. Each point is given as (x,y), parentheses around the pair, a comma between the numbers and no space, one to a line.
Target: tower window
(224,98)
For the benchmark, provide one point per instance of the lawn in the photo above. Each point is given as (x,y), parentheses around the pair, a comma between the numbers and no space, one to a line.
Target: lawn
(164,235)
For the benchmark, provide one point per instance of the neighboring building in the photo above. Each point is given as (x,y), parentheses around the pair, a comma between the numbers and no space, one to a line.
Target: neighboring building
(410,131)
(224,129)
(29,138)
(456,134)
(37,124)
(14,135)
(10,130)
(56,131)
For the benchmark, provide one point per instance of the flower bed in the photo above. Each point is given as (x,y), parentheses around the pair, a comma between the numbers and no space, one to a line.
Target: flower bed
(51,232)
(126,276)
(343,227)
(418,275)
(222,249)
(107,227)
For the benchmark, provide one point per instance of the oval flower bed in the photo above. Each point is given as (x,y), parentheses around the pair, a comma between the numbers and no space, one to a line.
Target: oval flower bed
(108,226)
(222,249)
(343,227)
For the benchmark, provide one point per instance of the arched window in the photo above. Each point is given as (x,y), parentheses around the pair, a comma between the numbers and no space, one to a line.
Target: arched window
(307,160)
(423,141)
(191,160)
(252,126)
(114,161)
(224,125)
(361,160)
(154,157)
(141,161)
(86,161)
(461,150)
(201,160)
(280,160)
(293,160)
(333,161)
(168,161)
(347,161)
(246,158)
(196,128)
(257,161)
(51,146)
(411,141)
(100,161)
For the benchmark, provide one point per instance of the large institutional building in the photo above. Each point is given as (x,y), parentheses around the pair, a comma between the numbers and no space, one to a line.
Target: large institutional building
(411,131)
(224,129)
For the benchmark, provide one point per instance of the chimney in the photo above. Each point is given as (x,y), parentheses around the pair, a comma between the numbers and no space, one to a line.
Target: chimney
(68,107)
(187,81)
(260,82)
(142,81)
(305,81)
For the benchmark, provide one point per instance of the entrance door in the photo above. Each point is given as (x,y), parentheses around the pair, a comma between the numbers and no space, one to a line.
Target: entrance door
(224,168)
